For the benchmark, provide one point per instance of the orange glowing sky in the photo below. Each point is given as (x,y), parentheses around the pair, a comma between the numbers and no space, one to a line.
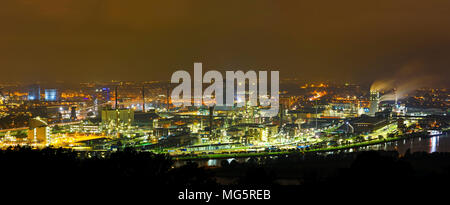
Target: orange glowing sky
(79,40)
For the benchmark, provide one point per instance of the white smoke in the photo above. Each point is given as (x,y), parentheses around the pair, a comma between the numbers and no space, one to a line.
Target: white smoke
(400,84)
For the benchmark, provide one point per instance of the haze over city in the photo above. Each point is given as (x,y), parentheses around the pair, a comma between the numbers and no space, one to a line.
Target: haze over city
(247,101)
(77,41)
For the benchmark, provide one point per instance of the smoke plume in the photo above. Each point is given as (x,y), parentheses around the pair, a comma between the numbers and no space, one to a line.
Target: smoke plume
(409,78)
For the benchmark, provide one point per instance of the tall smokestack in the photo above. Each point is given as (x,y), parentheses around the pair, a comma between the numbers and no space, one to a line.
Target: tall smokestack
(143,98)
(211,114)
(281,116)
(396,97)
(167,98)
(115,97)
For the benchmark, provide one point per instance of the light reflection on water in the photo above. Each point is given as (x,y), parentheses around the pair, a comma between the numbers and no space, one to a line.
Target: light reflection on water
(421,144)
(434,142)
(210,162)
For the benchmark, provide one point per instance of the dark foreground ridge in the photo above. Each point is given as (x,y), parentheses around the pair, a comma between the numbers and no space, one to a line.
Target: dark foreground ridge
(132,175)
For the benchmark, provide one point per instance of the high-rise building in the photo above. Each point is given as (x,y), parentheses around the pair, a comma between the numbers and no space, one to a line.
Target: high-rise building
(51,95)
(34,92)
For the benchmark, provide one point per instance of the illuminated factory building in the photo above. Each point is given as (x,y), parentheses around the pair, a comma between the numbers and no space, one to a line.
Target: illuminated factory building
(38,132)
(103,95)
(34,92)
(374,101)
(117,116)
(51,95)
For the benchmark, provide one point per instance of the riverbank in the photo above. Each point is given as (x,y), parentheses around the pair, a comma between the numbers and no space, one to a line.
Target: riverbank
(325,149)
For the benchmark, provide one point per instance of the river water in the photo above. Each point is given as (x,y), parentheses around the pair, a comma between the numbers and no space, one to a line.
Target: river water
(419,144)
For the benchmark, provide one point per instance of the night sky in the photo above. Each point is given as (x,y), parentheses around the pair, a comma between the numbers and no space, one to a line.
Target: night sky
(358,41)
